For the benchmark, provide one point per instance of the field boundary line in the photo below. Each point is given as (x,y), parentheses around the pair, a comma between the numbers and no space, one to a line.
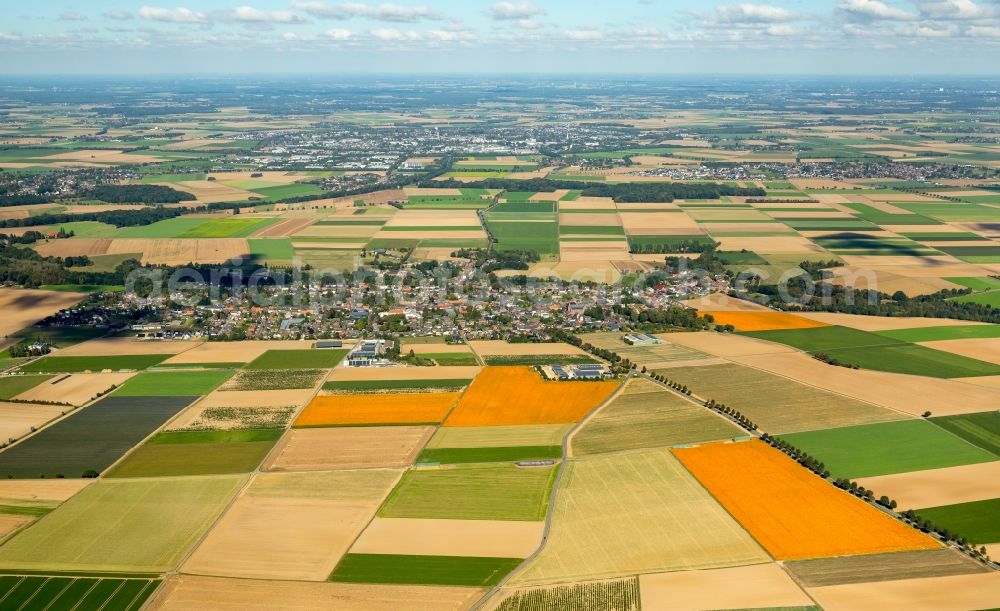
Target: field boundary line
(553,493)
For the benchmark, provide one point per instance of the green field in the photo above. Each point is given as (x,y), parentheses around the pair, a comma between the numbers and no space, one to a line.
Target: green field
(90,229)
(989,298)
(271,194)
(648,416)
(823,339)
(239,227)
(123,525)
(11,386)
(169,228)
(490,454)
(982,429)
(427,570)
(540,359)
(458,359)
(514,234)
(522,206)
(298,359)
(472,492)
(985,283)
(31,592)
(401,385)
(174,453)
(976,520)
(275,379)
(84,288)
(591,229)
(888,447)
(167,383)
(72,364)
(930,334)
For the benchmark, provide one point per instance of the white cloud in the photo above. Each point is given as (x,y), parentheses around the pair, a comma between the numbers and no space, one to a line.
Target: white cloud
(8,37)
(753,13)
(513,11)
(983,31)
(952,9)
(529,24)
(176,15)
(584,35)
(339,34)
(871,10)
(394,35)
(249,14)
(72,16)
(119,15)
(382,12)
(451,35)
(781,29)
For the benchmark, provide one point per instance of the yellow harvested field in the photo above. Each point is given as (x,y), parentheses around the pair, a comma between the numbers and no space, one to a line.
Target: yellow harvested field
(983,349)
(235,352)
(256,398)
(502,348)
(380,408)
(430,191)
(632,513)
(424,234)
(285,227)
(500,436)
(17,491)
(75,389)
(490,538)
(582,203)
(341,374)
(17,419)
(908,394)
(720,302)
(11,523)
(337,231)
(104,346)
(953,593)
(209,192)
(434,218)
(987,381)
(901,278)
(73,248)
(758,586)
(884,323)
(102,156)
(594,219)
(658,223)
(24,307)
(727,345)
(936,487)
(178,252)
(763,321)
(582,271)
(435,348)
(352,447)
(292,525)
(193,593)
(771,244)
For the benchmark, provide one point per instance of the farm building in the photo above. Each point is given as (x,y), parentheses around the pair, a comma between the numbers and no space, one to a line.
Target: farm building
(642,339)
(590,371)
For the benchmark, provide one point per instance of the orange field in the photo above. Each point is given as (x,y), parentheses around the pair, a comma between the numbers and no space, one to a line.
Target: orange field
(764,321)
(790,511)
(399,408)
(519,395)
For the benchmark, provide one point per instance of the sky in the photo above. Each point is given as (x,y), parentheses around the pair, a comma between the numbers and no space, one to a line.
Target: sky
(684,37)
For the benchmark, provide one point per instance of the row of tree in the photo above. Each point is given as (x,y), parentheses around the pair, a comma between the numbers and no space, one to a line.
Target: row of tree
(652,192)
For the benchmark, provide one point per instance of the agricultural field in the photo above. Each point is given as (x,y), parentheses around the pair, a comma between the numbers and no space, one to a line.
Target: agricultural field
(162,384)
(759,586)
(889,447)
(666,354)
(90,439)
(646,415)
(519,395)
(349,447)
(73,364)
(975,519)
(298,359)
(472,492)
(44,592)
(752,481)
(423,569)
(175,453)
(776,404)
(73,389)
(662,520)
(982,430)
(882,567)
(24,307)
(393,408)
(11,386)
(618,594)
(123,526)
(265,380)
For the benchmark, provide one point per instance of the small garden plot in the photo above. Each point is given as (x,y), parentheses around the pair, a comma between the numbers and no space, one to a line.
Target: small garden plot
(44,592)
(431,570)
(499,436)
(396,408)
(273,379)
(618,594)
(931,334)
(123,526)
(298,359)
(976,520)
(755,482)
(472,492)
(375,386)
(776,403)
(352,447)
(519,395)
(648,416)
(819,572)
(632,513)
(489,455)
(887,447)
(162,384)
(71,364)
(11,386)
(292,525)
(91,439)
(982,429)
(198,453)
